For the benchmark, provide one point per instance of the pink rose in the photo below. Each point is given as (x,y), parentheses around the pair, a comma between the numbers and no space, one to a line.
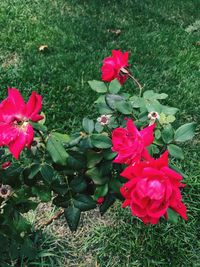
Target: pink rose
(16,132)
(153,188)
(130,144)
(113,67)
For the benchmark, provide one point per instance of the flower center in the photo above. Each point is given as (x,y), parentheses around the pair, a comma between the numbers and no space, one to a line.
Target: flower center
(21,124)
(104,120)
(4,191)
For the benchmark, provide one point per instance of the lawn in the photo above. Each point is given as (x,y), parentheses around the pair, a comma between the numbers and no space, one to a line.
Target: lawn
(163,39)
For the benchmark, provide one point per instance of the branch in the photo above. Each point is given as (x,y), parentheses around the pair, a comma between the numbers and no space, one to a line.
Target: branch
(56,216)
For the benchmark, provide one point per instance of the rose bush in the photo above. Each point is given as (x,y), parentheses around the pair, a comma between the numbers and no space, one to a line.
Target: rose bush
(89,168)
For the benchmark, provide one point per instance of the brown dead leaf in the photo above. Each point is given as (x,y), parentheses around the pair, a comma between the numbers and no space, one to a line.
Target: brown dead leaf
(197,43)
(43,48)
(117,32)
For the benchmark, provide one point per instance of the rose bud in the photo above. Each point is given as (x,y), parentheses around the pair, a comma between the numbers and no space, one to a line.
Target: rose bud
(6,164)
(100,200)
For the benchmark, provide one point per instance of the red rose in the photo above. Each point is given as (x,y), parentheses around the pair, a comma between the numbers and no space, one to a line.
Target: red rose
(153,188)
(113,67)
(130,144)
(16,131)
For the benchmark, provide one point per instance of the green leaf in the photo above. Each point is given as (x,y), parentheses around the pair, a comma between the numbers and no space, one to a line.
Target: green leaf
(168,134)
(21,224)
(112,123)
(157,133)
(47,172)
(100,100)
(170,118)
(185,132)
(166,119)
(172,216)
(101,191)
(169,110)
(84,202)
(93,158)
(175,151)
(13,170)
(78,184)
(143,116)
(28,249)
(109,200)
(124,107)
(61,137)
(96,176)
(153,149)
(150,94)
(101,141)
(137,102)
(105,168)
(113,99)
(62,201)
(43,192)
(72,215)
(76,160)
(88,125)
(104,109)
(98,86)
(114,86)
(153,105)
(85,143)
(24,205)
(162,96)
(115,185)
(57,151)
(59,188)
(109,155)
(34,170)
(98,127)
(39,126)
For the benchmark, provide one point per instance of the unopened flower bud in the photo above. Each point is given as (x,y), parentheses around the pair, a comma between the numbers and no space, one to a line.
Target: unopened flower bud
(100,200)
(104,119)
(6,164)
(5,191)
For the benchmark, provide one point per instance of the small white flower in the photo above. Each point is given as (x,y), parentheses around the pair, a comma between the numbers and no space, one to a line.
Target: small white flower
(5,191)
(153,115)
(104,119)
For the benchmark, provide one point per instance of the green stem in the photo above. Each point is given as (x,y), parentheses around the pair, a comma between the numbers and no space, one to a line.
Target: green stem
(69,191)
(137,82)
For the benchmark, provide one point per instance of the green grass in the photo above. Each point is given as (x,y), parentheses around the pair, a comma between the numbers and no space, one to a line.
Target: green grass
(164,57)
